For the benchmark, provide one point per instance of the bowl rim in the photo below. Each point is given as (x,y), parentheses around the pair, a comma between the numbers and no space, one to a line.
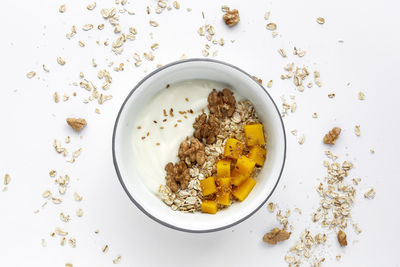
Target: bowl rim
(120,176)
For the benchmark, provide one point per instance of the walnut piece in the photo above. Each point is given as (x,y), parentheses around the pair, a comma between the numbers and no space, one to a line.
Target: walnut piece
(76,124)
(192,152)
(276,235)
(341,237)
(222,103)
(206,130)
(332,136)
(231,17)
(177,176)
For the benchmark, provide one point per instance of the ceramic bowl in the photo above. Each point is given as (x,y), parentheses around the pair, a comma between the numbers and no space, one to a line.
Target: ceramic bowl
(237,79)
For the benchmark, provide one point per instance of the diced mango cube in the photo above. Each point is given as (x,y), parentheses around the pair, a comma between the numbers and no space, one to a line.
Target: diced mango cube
(224,168)
(258,154)
(209,206)
(224,191)
(208,186)
(254,134)
(242,191)
(233,148)
(237,178)
(244,166)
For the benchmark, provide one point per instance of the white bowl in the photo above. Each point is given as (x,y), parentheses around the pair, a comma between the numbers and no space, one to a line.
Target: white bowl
(242,83)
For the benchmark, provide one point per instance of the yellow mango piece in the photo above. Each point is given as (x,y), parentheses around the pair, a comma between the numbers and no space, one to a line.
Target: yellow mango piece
(233,148)
(254,134)
(242,191)
(258,154)
(224,168)
(208,186)
(237,178)
(224,191)
(244,166)
(209,206)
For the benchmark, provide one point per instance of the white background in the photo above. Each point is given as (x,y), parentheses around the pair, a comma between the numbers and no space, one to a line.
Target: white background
(33,33)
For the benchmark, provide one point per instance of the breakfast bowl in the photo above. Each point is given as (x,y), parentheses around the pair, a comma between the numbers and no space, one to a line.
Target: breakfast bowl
(134,166)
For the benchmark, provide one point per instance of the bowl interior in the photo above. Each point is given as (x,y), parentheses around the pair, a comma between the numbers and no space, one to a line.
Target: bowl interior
(245,86)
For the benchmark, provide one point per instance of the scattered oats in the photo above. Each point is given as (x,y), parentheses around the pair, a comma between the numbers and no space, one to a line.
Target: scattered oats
(77,197)
(69,265)
(117,259)
(87,27)
(266,15)
(188,9)
(294,132)
(282,52)
(62,8)
(100,26)
(72,242)
(149,56)
(46,194)
(293,107)
(79,213)
(44,243)
(176,5)
(274,34)
(31,74)
(7,179)
(315,115)
(61,232)
(63,241)
(205,53)
(372,151)
(357,130)
(225,8)
(302,139)
(309,85)
(117,28)
(56,200)
(105,249)
(271,207)
(36,211)
(60,61)
(154,46)
(64,218)
(361,95)
(81,44)
(270,83)
(338,257)
(271,26)
(356,228)
(370,194)
(96,231)
(320,20)
(91,6)
(331,95)
(153,23)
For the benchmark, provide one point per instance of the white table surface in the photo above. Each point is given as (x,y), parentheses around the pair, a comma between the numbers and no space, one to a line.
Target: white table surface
(33,33)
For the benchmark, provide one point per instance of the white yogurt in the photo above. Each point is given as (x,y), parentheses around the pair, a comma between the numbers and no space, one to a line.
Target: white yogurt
(152,158)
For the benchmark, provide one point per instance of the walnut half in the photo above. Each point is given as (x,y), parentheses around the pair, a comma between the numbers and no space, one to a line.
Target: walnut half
(332,136)
(192,152)
(206,130)
(221,104)
(231,17)
(76,124)
(276,235)
(178,176)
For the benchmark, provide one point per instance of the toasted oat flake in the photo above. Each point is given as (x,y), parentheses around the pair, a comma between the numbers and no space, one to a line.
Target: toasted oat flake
(266,15)
(87,27)
(271,207)
(331,95)
(44,243)
(91,6)
(117,259)
(320,20)
(46,194)
(56,200)
(105,249)
(315,115)
(361,95)
(270,83)
(81,44)
(282,52)
(176,5)
(69,265)
(64,217)
(153,23)
(271,26)
(357,130)
(61,232)
(301,139)
(62,8)
(52,173)
(31,74)
(79,213)
(370,194)
(60,61)
(77,197)
(7,179)
(72,242)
